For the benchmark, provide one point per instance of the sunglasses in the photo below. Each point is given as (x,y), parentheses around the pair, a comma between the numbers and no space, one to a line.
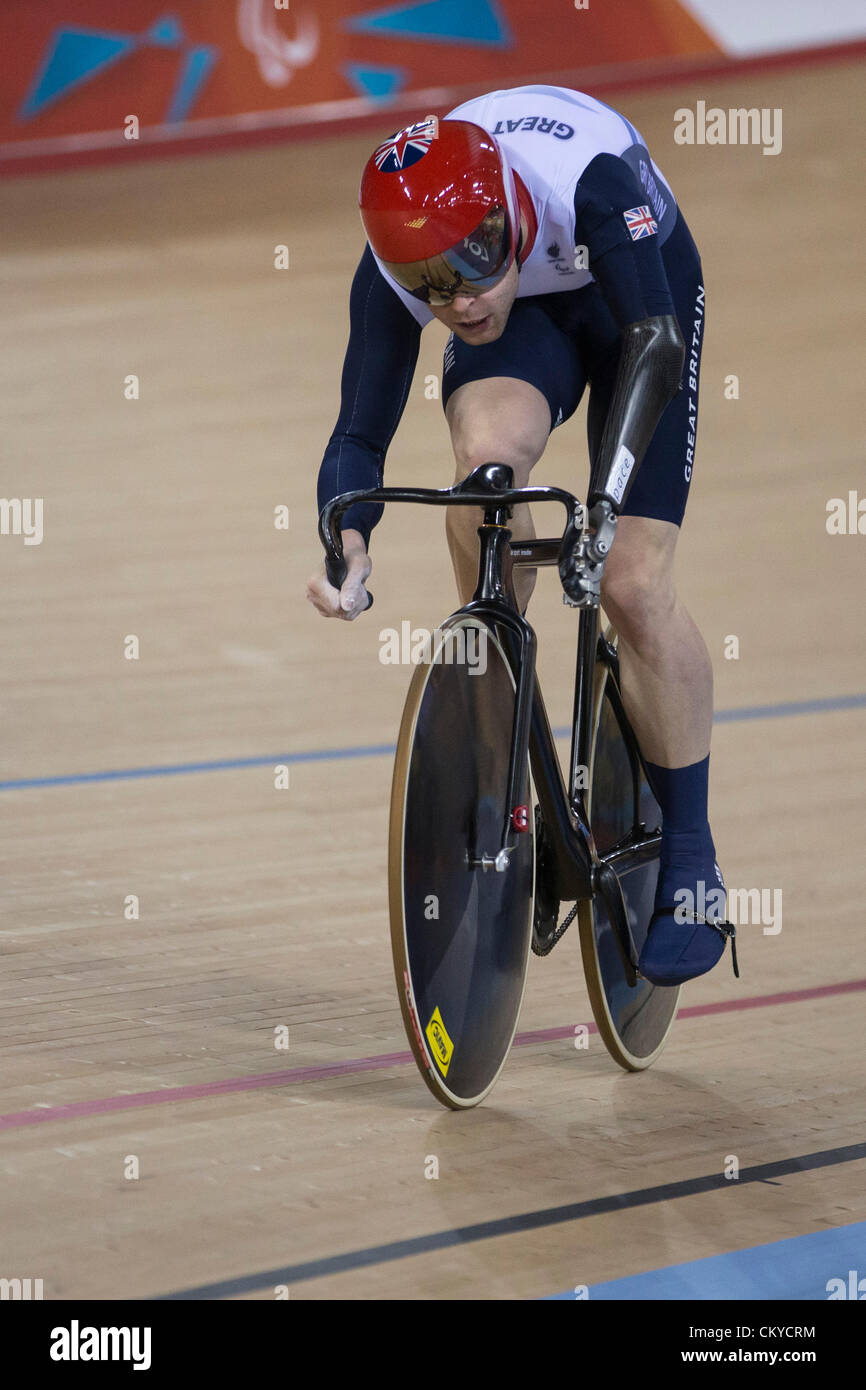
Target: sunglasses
(475,264)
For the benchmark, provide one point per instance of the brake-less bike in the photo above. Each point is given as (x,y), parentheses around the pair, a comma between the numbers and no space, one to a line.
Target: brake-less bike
(486,840)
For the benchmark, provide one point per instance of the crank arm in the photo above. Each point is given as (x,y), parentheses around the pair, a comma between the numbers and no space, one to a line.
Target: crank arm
(607,886)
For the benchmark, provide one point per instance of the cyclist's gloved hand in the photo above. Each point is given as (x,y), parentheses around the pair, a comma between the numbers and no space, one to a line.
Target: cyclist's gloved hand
(352,598)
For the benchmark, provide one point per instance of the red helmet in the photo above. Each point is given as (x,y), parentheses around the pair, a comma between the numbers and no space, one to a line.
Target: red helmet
(439,206)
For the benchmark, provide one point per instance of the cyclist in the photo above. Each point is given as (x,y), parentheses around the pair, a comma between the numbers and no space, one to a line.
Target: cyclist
(533,223)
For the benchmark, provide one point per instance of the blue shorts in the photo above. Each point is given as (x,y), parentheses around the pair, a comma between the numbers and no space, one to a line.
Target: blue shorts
(559,343)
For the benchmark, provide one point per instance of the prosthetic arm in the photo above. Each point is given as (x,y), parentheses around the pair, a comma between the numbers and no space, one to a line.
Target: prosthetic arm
(632,278)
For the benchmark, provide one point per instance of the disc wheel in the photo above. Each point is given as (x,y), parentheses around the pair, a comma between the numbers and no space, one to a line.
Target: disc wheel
(634,1021)
(460,935)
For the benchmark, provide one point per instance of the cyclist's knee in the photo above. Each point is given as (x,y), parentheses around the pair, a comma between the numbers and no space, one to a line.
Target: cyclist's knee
(637,590)
(471,451)
(498,421)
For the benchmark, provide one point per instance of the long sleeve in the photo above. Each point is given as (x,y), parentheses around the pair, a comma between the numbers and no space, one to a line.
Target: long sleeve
(377,373)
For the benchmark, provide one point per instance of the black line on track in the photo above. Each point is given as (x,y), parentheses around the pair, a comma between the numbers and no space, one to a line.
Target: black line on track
(511,1225)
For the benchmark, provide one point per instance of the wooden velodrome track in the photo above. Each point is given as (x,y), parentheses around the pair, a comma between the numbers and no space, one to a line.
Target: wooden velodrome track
(259,907)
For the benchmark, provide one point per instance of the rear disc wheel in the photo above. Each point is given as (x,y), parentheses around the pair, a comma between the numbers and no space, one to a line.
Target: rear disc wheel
(634,1021)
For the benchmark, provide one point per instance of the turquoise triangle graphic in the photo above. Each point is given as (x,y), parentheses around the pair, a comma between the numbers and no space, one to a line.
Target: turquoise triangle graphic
(194,72)
(167,32)
(375,82)
(75,57)
(439,21)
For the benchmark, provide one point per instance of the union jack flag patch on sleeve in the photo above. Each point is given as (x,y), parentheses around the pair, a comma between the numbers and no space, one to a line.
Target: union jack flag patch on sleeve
(640,222)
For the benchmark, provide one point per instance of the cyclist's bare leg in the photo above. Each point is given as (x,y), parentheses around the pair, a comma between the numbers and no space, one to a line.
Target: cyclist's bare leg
(665,667)
(667,684)
(495,420)
(666,673)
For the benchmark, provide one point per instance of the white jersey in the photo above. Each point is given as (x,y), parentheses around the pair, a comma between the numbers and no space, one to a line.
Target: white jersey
(550,135)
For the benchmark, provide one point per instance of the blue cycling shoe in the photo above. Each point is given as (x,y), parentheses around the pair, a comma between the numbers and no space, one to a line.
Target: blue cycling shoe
(688,931)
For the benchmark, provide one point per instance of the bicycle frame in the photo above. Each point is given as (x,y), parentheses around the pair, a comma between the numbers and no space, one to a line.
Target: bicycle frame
(581,872)
(564,813)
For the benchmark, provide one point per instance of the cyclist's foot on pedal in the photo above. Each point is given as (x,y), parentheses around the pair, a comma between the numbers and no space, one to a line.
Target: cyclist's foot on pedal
(688,931)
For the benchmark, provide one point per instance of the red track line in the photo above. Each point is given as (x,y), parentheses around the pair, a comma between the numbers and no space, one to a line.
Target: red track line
(604,79)
(108,1104)
(759,1001)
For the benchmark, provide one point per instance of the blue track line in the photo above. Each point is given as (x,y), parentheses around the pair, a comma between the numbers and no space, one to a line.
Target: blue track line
(782,711)
(816,1266)
(125,774)
(830,705)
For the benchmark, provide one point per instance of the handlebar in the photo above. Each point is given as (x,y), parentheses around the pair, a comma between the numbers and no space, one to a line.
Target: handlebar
(581,554)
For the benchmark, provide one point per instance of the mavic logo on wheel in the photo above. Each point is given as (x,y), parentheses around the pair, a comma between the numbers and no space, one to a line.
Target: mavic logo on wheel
(440,1043)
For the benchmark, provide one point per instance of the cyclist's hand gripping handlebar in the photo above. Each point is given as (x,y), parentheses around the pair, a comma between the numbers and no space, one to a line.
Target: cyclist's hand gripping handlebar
(331,536)
(336,569)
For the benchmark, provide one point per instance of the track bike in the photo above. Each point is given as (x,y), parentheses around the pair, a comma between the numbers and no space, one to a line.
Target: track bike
(486,840)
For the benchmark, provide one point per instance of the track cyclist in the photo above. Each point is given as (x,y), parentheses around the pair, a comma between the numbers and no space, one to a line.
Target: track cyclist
(533,223)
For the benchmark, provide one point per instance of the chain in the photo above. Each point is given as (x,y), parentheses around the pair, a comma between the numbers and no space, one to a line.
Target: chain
(544,948)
